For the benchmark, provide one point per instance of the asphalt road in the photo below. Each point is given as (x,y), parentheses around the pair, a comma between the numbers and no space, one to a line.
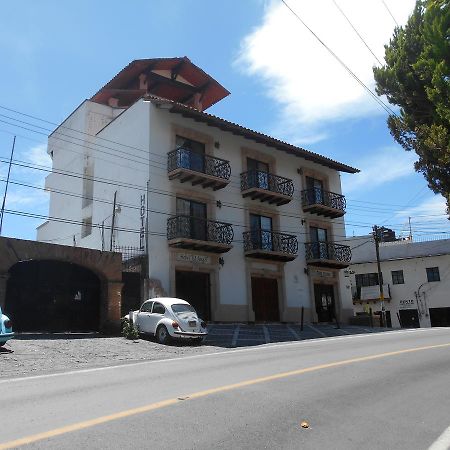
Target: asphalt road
(376,391)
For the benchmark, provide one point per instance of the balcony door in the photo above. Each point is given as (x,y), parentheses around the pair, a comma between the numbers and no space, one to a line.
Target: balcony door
(319,239)
(315,190)
(191,154)
(194,221)
(261,231)
(259,176)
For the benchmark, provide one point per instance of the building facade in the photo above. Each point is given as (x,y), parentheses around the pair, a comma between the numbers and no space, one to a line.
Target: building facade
(244,226)
(415,277)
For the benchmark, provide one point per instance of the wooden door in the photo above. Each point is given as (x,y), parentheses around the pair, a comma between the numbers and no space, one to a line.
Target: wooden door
(324,299)
(265,299)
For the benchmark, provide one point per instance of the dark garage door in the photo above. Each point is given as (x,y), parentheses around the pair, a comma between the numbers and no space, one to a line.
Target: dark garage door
(194,287)
(440,317)
(53,296)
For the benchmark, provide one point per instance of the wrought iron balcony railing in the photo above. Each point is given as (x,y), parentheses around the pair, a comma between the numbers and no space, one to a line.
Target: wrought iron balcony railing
(323,202)
(198,229)
(267,181)
(263,242)
(328,254)
(184,158)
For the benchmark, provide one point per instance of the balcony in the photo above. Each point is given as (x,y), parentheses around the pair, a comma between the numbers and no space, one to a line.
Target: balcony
(328,254)
(265,244)
(199,234)
(266,187)
(323,203)
(198,169)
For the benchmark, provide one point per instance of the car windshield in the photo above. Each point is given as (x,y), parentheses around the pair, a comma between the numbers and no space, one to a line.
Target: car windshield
(181,308)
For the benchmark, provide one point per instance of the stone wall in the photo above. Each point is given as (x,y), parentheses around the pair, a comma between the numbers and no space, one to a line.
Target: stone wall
(106,265)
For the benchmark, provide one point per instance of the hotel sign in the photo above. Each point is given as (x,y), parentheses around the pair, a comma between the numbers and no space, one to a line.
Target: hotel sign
(191,258)
(404,304)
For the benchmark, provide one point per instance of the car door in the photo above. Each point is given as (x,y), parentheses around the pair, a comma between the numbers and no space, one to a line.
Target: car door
(143,317)
(157,314)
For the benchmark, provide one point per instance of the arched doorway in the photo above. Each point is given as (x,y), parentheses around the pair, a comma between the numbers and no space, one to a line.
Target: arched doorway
(53,296)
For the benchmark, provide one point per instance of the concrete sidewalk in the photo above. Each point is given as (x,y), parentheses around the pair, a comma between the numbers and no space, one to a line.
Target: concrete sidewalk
(242,335)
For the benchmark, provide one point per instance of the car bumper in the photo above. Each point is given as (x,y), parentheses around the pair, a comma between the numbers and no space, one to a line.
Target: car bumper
(6,336)
(187,334)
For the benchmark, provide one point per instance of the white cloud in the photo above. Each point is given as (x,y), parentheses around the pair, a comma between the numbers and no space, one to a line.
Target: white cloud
(384,165)
(311,87)
(38,155)
(431,207)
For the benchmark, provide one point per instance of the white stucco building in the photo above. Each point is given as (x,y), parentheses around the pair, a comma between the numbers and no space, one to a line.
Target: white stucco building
(244,226)
(416,281)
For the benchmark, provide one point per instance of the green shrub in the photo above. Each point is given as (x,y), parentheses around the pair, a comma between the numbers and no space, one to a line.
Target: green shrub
(129,331)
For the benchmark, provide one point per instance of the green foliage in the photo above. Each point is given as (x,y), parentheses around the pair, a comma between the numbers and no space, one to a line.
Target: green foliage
(129,331)
(416,78)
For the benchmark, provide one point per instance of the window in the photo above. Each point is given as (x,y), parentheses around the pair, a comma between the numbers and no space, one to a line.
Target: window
(319,246)
(397,277)
(367,279)
(259,176)
(433,274)
(146,307)
(193,220)
(191,153)
(261,232)
(86,227)
(314,190)
(318,234)
(158,308)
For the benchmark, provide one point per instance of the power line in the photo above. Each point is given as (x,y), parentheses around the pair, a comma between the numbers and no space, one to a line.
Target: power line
(142,188)
(386,107)
(357,33)
(389,11)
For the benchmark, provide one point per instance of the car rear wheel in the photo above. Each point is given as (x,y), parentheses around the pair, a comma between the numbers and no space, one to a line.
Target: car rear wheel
(162,335)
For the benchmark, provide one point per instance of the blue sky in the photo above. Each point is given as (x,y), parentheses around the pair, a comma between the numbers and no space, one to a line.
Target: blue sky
(282,82)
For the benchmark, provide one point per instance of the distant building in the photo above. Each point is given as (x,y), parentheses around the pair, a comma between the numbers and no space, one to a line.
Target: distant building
(244,226)
(415,276)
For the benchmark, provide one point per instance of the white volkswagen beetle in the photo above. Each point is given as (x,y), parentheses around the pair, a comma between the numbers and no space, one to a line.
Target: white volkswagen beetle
(168,318)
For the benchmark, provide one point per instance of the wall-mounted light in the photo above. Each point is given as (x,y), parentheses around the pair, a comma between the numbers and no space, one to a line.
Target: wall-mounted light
(217,144)
(303,221)
(300,171)
(306,270)
(221,261)
(219,204)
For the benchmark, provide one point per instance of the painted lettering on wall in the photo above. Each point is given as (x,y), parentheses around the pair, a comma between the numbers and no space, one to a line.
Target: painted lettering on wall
(142,229)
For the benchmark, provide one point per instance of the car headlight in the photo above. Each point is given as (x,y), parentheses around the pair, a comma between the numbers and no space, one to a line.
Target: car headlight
(7,324)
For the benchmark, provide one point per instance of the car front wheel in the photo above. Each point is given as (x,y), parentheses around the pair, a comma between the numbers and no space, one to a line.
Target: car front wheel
(162,335)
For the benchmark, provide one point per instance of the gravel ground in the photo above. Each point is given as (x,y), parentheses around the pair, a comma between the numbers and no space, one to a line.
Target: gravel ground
(32,354)
(38,354)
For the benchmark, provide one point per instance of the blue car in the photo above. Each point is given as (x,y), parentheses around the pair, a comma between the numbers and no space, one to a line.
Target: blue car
(6,331)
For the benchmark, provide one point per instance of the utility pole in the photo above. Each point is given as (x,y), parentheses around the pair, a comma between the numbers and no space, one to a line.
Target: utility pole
(410,230)
(2,212)
(376,235)
(113,222)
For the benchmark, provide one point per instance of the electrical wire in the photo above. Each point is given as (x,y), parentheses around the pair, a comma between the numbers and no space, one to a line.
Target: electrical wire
(357,32)
(386,107)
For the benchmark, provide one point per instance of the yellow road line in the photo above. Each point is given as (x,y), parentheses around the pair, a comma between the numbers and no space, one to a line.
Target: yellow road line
(153,406)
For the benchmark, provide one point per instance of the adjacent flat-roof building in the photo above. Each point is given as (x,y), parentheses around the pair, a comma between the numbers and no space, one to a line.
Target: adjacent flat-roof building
(244,226)
(415,278)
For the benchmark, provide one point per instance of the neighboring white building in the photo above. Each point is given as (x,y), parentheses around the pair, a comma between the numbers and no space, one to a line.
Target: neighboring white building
(244,226)
(416,281)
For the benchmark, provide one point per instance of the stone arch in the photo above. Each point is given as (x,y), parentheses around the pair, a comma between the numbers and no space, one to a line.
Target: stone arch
(107,266)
